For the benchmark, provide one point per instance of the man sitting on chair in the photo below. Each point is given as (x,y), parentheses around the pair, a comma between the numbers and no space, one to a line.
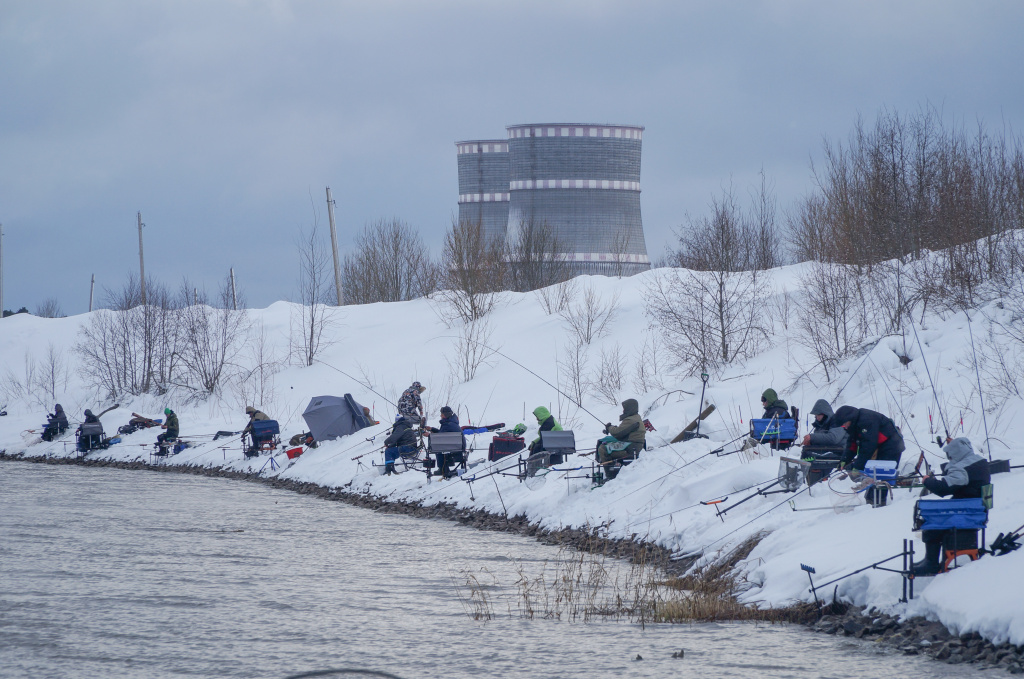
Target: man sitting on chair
(965,475)
(449,422)
(401,442)
(627,439)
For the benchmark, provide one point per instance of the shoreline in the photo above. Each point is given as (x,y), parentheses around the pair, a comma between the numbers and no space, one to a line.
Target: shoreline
(912,636)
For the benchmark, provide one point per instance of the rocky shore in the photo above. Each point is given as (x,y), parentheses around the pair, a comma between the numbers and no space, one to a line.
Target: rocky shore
(914,636)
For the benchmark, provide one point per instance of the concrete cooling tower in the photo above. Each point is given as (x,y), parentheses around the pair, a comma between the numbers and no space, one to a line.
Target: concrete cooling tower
(583,181)
(483,185)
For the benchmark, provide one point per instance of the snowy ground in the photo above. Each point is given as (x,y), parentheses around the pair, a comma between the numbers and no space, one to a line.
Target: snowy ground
(389,345)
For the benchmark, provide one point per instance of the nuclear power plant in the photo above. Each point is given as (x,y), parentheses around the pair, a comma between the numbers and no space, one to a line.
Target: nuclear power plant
(581,180)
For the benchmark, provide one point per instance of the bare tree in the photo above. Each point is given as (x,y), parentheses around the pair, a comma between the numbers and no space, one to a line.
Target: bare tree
(211,340)
(535,257)
(471,271)
(648,365)
(254,382)
(50,308)
(53,373)
(611,375)
(472,349)
(590,316)
(572,370)
(390,264)
(313,321)
(554,299)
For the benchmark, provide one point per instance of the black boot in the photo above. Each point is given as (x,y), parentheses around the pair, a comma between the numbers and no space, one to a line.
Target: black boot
(929,565)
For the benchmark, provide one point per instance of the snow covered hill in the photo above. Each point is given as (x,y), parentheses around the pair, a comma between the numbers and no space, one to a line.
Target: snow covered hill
(384,347)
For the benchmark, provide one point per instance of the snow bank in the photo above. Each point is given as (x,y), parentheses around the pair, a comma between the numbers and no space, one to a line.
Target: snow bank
(387,346)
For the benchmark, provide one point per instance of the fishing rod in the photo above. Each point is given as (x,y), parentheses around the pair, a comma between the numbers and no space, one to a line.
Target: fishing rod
(356,381)
(897,404)
(924,360)
(981,396)
(863,360)
(509,358)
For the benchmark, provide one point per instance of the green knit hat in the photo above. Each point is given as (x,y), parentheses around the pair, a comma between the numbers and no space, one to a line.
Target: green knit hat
(167,411)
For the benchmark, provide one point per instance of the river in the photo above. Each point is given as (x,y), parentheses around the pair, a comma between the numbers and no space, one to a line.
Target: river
(115,573)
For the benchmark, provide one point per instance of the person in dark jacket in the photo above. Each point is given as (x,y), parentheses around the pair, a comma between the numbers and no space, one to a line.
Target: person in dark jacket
(774,406)
(90,436)
(449,422)
(56,424)
(401,442)
(631,431)
(254,415)
(871,436)
(827,433)
(965,475)
(171,425)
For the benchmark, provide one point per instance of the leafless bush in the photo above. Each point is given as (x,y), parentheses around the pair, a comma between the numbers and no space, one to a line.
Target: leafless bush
(709,319)
(611,375)
(313,321)
(53,374)
(390,264)
(648,373)
(15,386)
(210,339)
(572,370)
(834,325)
(471,350)
(50,308)
(471,274)
(534,257)
(254,382)
(554,299)
(130,348)
(589,317)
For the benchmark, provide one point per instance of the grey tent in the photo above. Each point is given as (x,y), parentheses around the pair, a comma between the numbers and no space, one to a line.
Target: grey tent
(329,417)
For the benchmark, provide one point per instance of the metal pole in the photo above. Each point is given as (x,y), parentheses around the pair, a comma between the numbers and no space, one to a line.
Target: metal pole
(234,298)
(92,288)
(334,247)
(142,266)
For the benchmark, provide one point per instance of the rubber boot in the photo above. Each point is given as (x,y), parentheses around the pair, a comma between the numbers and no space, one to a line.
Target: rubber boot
(930,564)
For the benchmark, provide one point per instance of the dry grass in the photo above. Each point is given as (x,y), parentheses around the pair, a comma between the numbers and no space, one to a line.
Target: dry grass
(581,585)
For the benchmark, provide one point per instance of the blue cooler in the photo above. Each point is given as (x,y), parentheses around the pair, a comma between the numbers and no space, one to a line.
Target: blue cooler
(773,429)
(882,470)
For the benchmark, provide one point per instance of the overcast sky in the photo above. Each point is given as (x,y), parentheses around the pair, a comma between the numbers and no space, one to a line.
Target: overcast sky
(220,120)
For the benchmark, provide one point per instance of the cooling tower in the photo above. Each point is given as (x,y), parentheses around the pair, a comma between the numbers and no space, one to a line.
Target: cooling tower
(483,185)
(583,181)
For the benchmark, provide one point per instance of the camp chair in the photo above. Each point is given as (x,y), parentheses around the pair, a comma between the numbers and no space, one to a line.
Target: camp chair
(265,437)
(89,436)
(447,447)
(554,446)
(778,433)
(960,519)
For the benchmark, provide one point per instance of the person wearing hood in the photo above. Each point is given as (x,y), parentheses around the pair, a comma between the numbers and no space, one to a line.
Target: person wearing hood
(410,404)
(56,424)
(631,430)
(774,406)
(827,433)
(401,442)
(965,475)
(545,422)
(449,422)
(253,416)
(871,436)
(171,425)
(90,437)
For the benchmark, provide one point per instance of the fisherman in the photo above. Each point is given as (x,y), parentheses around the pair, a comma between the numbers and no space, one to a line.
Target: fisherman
(253,416)
(545,422)
(171,425)
(401,442)
(56,424)
(369,417)
(774,406)
(774,409)
(966,474)
(410,404)
(626,440)
(871,436)
(87,442)
(449,422)
(827,433)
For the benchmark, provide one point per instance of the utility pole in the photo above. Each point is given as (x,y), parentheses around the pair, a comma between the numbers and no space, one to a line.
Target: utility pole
(234,298)
(92,288)
(334,247)
(142,266)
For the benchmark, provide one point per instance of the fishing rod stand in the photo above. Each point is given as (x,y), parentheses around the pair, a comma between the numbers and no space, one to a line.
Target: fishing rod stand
(907,573)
